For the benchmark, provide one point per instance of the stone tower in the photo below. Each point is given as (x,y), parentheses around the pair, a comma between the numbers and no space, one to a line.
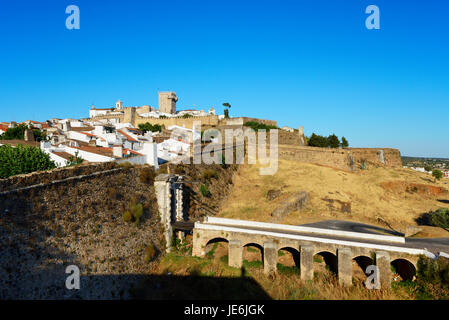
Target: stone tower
(167,102)
(118,105)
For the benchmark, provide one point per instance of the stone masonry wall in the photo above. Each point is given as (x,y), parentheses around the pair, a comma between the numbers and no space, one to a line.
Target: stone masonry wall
(345,159)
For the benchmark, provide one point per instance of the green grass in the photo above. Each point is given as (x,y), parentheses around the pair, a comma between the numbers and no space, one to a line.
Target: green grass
(287,270)
(252,264)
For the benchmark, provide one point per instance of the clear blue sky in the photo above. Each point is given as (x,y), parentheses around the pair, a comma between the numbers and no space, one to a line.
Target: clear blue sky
(309,63)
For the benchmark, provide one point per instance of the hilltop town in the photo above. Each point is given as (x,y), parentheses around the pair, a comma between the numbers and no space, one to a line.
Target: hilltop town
(114,195)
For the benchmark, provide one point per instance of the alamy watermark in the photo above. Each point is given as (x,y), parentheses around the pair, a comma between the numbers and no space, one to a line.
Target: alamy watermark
(209,147)
(73,280)
(73,20)
(373,20)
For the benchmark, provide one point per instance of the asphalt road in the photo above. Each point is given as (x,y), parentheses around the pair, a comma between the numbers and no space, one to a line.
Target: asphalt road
(431,244)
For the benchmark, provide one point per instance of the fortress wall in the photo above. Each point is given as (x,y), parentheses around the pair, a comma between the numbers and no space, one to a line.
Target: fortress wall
(392,156)
(340,158)
(182,122)
(336,158)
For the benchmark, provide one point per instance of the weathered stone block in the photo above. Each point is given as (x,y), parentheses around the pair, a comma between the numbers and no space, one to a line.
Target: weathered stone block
(344,260)
(306,262)
(270,258)
(235,253)
(383,265)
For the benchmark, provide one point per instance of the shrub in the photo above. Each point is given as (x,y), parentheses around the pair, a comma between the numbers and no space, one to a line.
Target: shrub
(134,212)
(437,174)
(209,174)
(147,175)
(127,216)
(438,218)
(204,189)
(150,253)
(23,159)
(145,127)
(259,126)
(344,142)
(73,161)
(433,271)
(427,168)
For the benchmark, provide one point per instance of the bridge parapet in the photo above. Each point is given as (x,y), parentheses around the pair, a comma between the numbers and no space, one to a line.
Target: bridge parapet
(381,253)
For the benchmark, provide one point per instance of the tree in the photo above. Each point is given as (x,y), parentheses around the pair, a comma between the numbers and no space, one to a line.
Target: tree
(23,159)
(145,127)
(316,140)
(427,168)
(344,142)
(73,161)
(16,133)
(226,111)
(333,141)
(437,174)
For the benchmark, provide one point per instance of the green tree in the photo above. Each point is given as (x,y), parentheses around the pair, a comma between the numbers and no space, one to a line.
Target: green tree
(226,111)
(145,127)
(344,142)
(427,168)
(23,159)
(316,140)
(437,174)
(16,133)
(333,141)
(73,161)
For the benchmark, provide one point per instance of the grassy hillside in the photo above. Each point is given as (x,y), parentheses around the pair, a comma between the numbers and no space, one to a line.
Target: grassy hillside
(378,196)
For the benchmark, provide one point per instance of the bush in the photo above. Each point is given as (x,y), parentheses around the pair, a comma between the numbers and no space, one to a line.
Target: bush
(150,253)
(209,174)
(204,189)
(427,168)
(344,142)
(437,174)
(438,218)
(259,126)
(145,127)
(433,271)
(147,175)
(23,159)
(134,212)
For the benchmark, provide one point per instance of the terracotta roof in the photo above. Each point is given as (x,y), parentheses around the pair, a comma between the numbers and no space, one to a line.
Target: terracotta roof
(88,134)
(128,151)
(97,150)
(127,136)
(63,154)
(22,142)
(3,127)
(79,129)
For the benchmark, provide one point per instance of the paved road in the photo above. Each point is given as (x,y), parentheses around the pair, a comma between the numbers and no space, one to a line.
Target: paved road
(431,244)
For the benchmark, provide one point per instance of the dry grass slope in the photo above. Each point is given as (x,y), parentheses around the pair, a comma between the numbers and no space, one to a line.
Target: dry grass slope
(378,196)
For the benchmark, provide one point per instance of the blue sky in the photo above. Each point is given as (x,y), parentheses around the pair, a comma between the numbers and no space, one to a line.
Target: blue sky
(309,63)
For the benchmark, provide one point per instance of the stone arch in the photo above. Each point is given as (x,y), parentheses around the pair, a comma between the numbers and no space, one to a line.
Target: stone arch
(330,259)
(210,243)
(294,253)
(250,255)
(405,268)
(360,263)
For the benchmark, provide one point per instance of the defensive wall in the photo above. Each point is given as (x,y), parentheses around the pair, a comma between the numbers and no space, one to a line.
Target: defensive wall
(345,159)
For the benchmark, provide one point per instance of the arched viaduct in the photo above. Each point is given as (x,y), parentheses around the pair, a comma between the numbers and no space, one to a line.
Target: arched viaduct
(339,247)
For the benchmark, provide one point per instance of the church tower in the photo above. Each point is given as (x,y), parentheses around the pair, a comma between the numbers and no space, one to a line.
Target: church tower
(118,105)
